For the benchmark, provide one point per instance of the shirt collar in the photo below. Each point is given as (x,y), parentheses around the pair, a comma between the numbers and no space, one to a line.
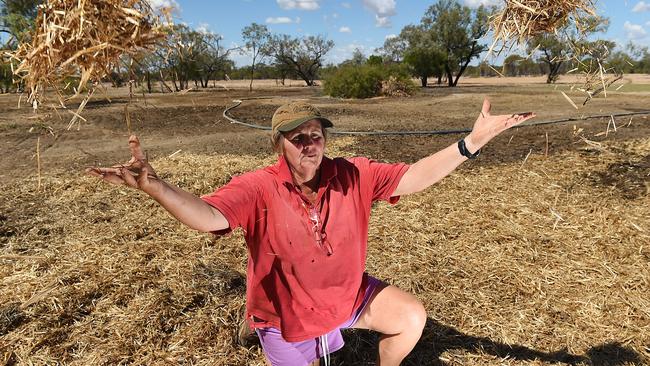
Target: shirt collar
(327,170)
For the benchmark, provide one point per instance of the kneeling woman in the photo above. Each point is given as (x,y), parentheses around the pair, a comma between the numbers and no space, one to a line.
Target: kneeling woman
(305,220)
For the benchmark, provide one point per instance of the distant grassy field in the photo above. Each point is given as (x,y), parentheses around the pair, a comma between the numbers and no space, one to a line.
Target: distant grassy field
(627,88)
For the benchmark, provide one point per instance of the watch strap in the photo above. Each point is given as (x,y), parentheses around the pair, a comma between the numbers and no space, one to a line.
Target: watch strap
(462,148)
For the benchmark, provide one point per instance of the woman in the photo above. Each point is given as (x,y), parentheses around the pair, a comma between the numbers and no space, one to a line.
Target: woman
(305,221)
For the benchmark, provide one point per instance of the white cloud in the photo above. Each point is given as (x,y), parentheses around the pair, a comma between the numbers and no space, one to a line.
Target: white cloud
(477,3)
(345,30)
(335,15)
(389,36)
(299,4)
(203,28)
(346,5)
(382,22)
(157,4)
(298,20)
(641,6)
(634,31)
(279,20)
(383,9)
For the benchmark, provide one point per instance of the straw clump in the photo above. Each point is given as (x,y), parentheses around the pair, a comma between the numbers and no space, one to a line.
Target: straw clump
(520,20)
(85,39)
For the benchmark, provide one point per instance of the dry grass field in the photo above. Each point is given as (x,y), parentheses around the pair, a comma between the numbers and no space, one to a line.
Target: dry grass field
(537,253)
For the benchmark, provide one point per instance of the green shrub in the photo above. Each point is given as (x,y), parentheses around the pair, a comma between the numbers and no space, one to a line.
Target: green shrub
(367,81)
(354,82)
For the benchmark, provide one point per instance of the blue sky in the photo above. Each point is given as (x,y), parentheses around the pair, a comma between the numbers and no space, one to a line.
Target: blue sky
(364,24)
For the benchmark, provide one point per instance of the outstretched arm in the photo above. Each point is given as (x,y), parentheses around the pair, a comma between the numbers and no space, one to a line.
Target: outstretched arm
(184,206)
(433,168)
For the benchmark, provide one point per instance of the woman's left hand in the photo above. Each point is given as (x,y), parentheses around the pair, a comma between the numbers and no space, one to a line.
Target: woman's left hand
(488,126)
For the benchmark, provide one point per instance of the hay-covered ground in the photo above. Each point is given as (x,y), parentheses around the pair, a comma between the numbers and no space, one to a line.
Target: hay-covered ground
(521,258)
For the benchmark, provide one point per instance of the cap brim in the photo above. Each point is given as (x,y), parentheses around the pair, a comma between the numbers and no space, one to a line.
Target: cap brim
(293,124)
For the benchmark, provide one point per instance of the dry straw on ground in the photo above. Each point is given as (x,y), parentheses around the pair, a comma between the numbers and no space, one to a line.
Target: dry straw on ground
(535,264)
(85,39)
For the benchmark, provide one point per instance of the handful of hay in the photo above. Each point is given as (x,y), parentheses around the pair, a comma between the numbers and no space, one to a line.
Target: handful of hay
(85,39)
(520,20)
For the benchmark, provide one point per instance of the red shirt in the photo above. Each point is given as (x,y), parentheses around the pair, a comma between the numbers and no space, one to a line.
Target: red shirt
(293,283)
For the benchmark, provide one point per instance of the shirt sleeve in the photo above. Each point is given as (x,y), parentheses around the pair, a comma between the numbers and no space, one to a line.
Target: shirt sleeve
(384,178)
(235,200)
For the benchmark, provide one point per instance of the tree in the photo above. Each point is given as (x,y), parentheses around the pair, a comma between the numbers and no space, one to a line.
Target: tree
(554,54)
(393,49)
(565,44)
(16,22)
(17,19)
(422,54)
(511,65)
(425,62)
(257,38)
(185,55)
(622,61)
(211,56)
(358,59)
(6,77)
(516,65)
(641,57)
(456,30)
(375,60)
(301,55)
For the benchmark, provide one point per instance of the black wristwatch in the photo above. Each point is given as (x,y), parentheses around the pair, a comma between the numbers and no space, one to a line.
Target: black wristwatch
(464,152)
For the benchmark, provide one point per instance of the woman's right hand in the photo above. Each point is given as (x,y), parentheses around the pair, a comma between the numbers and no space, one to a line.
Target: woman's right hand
(136,173)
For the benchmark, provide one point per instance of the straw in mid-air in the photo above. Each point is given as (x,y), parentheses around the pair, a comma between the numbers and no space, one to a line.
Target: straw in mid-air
(519,21)
(85,39)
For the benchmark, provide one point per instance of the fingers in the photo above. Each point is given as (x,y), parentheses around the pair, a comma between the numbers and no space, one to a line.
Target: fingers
(129,178)
(525,114)
(143,178)
(94,172)
(485,110)
(136,150)
(111,175)
(515,119)
(99,172)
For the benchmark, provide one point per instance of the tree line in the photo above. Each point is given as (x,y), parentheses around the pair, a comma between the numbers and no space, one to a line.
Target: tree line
(444,45)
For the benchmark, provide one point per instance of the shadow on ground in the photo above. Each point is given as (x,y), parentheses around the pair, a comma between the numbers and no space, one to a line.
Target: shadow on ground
(361,348)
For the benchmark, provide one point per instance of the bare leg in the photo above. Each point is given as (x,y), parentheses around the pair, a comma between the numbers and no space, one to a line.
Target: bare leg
(400,317)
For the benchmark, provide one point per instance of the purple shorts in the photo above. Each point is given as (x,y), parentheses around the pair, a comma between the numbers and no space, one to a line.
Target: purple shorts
(280,352)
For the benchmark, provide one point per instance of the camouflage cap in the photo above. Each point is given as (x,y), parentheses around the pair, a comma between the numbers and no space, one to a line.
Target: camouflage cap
(293,114)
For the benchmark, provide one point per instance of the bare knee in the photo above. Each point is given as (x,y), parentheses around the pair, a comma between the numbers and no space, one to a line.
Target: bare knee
(414,317)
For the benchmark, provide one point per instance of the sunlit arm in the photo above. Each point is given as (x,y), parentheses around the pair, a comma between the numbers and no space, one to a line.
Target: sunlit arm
(433,168)
(184,206)
(428,171)
(189,209)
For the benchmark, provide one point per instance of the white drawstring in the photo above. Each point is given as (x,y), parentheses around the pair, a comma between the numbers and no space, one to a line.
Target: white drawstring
(325,349)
